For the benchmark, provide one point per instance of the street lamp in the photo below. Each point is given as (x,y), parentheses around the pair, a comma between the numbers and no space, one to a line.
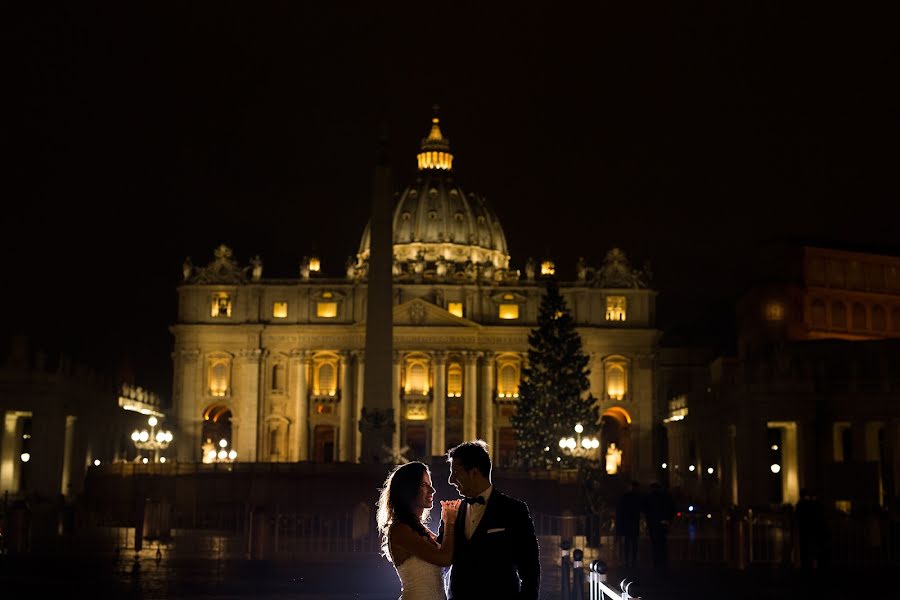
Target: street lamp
(578,446)
(153,440)
(223,455)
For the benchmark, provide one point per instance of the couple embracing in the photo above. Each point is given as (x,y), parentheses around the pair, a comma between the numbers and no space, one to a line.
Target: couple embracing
(486,537)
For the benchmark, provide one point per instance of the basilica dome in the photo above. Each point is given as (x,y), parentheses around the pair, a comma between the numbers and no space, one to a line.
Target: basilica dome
(435,221)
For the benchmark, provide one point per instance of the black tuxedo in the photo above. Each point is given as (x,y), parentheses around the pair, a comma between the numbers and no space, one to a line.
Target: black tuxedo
(502,560)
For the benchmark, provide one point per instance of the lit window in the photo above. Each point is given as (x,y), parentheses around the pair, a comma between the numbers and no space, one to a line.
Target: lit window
(279,310)
(218,377)
(508,381)
(326,310)
(454,380)
(774,311)
(548,267)
(417,379)
(455,309)
(616,379)
(615,308)
(314,265)
(221,305)
(325,380)
(509,311)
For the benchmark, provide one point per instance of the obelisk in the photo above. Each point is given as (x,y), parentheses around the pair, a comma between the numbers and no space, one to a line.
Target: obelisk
(377,415)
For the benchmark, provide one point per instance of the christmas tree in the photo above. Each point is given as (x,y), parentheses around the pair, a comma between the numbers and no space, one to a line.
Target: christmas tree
(552,394)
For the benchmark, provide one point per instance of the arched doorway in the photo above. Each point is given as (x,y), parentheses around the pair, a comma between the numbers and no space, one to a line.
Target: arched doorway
(615,440)
(216,427)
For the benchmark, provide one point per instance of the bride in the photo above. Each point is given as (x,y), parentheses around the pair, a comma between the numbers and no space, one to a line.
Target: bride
(403,508)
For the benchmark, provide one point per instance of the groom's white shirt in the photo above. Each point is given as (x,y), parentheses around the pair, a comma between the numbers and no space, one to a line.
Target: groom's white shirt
(474,512)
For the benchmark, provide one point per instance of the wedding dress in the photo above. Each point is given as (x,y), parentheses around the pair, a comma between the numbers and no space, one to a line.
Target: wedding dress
(420,580)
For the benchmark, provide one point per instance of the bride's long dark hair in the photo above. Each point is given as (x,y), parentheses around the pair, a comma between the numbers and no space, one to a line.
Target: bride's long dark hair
(395,504)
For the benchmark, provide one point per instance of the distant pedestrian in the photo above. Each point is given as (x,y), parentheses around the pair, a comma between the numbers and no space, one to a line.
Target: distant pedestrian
(628,524)
(659,509)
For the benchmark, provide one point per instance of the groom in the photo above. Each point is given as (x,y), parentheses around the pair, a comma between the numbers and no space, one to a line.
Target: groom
(496,554)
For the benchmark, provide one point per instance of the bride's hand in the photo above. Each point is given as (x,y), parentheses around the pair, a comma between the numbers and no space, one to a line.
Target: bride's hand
(449,510)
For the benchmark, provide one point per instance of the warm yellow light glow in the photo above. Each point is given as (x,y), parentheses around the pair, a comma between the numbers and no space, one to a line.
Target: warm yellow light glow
(314,265)
(135,435)
(222,455)
(223,443)
(145,460)
(615,308)
(455,309)
(152,421)
(435,160)
(416,412)
(579,428)
(774,311)
(144,436)
(776,468)
(548,268)
(25,457)
(615,381)
(218,378)
(279,310)
(509,311)
(508,380)
(221,305)
(326,310)
(97,462)
(232,455)
(162,459)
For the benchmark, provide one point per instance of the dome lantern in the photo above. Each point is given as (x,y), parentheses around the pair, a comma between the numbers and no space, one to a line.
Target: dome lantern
(435,148)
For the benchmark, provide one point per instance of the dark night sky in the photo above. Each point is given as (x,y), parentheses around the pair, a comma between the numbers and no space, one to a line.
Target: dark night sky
(689,134)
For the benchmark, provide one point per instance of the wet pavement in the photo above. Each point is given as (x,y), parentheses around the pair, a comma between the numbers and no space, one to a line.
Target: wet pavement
(374,579)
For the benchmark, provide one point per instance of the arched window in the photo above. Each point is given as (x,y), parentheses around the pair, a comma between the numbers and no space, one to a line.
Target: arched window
(454,380)
(879,318)
(859,316)
(219,376)
(616,378)
(838,315)
(508,381)
(817,313)
(325,379)
(417,382)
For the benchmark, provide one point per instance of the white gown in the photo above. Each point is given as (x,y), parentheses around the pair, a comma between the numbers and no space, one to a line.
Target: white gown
(420,580)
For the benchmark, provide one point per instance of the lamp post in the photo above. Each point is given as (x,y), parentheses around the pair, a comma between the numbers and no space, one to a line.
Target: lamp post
(153,440)
(578,446)
(223,455)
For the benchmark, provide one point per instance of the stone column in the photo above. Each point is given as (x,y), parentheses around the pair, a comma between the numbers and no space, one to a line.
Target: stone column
(470,396)
(487,398)
(300,360)
(439,404)
(358,399)
(188,408)
(395,402)
(247,405)
(10,450)
(345,430)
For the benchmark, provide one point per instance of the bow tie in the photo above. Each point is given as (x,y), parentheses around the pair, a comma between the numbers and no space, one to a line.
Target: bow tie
(475,500)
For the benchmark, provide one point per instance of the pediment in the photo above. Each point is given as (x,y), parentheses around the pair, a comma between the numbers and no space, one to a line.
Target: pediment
(421,313)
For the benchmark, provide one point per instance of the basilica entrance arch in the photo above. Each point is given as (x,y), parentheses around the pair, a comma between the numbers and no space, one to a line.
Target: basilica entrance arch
(615,440)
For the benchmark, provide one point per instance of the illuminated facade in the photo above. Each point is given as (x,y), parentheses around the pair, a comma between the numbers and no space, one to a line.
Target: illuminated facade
(280,362)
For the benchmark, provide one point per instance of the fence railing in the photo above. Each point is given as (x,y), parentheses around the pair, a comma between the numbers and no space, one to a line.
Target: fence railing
(737,538)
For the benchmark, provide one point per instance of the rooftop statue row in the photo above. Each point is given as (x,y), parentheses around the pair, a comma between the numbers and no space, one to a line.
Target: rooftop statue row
(615,272)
